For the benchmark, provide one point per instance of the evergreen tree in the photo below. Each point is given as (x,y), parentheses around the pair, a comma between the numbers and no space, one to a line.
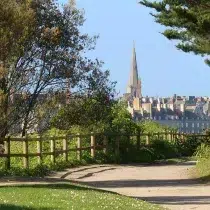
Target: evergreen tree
(187,20)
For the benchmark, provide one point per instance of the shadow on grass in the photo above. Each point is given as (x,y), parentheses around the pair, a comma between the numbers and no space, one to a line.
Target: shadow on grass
(63,186)
(15,207)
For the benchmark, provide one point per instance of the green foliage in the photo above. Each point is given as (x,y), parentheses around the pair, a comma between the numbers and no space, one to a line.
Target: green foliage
(91,109)
(144,155)
(203,161)
(157,150)
(121,119)
(55,132)
(187,21)
(41,170)
(149,126)
(95,114)
(189,146)
(43,51)
(16,26)
(164,149)
(203,151)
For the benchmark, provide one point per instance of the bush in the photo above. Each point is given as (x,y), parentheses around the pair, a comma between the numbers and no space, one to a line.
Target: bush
(187,147)
(203,161)
(143,155)
(159,149)
(164,149)
(203,152)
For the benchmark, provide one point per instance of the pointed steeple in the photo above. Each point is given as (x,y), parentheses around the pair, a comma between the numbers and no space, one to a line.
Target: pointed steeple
(134,84)
(133,81)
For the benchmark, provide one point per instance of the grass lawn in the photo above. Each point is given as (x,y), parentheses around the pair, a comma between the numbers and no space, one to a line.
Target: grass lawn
(64,196)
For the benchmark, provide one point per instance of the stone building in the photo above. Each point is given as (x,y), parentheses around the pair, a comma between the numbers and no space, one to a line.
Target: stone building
(188,114)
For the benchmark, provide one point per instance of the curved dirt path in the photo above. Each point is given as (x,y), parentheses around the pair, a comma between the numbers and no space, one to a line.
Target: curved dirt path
(167,185)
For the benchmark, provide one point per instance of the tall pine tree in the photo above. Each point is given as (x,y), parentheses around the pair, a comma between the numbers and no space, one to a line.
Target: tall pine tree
(187,21)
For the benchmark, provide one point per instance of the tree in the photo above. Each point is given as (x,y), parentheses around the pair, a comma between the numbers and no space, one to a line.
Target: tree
(121,120)
(90,106)
(48,53)
(188,22)
(55,53)
(149,126)
(16,26)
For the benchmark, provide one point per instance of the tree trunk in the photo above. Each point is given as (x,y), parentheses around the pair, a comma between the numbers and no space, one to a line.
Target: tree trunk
(24,130)
(4,108)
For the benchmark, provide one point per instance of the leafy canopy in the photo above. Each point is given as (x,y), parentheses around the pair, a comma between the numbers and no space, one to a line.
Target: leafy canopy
(188,21)
(42,50)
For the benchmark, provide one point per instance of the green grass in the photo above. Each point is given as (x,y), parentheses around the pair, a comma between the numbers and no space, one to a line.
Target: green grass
(203,162)
(66,196)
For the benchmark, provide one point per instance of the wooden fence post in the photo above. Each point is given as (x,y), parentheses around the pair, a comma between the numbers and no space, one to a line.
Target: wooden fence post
(79,152)
(128,143)
(171,136)
(105,144)
(25,152)
(158,136)
(117,149)
(174,135)
(138,141)
(148,139)
(184,136)
(39,150)
(93,145)
(52,149)
(166,136)
(65,148)
(7,151)
(181,136)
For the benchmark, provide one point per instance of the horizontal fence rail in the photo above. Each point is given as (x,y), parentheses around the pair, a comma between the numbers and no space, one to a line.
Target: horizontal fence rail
(141,139)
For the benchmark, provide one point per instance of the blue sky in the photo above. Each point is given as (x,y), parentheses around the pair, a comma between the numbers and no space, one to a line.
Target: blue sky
(163,69)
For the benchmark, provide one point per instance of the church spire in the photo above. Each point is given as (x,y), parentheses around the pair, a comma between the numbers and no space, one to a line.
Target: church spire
(134,84)
(134,69)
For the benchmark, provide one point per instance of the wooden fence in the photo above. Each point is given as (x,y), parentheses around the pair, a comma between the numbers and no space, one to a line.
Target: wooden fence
(141,139)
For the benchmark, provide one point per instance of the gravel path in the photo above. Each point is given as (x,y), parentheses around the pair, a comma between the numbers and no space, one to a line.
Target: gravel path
(167,185)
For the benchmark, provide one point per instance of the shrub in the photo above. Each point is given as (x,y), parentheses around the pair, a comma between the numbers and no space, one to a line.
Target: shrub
(203,151)
(187,147)
(164,149)
(157,150)
(143,155)
(203,161)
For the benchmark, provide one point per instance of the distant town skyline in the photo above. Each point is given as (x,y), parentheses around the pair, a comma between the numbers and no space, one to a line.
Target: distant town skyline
(164,70)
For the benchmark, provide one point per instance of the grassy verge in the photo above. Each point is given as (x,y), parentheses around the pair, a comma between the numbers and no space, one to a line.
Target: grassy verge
(66,196)
(203,163)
